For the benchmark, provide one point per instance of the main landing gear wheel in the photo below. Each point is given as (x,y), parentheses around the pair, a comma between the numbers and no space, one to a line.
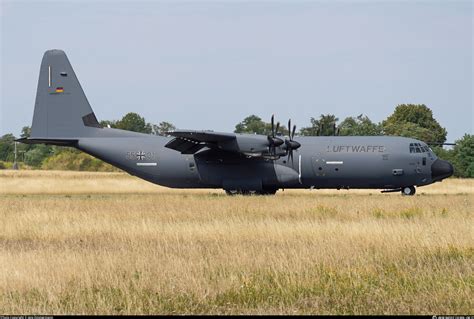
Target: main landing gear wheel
(268,192)
(232,192)
(408,190)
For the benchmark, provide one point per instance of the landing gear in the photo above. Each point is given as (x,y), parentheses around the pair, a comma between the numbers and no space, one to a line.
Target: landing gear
(408,190)
(232,192)
(268,192)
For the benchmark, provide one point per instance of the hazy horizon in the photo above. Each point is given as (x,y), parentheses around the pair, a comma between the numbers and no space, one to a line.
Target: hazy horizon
(208,65)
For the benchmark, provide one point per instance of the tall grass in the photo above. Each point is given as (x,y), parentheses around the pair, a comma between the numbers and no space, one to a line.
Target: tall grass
(122,246)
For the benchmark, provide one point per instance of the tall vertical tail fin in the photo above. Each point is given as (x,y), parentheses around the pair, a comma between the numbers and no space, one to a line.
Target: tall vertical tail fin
(61,108)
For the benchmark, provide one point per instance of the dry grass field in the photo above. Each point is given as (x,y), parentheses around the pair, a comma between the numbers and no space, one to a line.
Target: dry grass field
(100,243)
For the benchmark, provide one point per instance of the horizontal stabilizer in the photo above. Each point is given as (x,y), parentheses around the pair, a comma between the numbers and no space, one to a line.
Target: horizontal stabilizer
(58,141)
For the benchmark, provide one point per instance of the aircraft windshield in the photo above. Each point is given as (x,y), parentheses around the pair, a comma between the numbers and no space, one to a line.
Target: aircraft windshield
(418,148)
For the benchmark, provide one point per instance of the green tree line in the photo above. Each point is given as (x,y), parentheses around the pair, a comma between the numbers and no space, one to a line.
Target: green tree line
(40,156)
(408,120)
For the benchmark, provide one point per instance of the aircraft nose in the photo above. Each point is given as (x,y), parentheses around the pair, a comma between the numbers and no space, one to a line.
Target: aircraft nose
(441,169)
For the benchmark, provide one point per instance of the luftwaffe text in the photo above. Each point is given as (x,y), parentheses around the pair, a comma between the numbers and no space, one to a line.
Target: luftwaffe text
(356,148)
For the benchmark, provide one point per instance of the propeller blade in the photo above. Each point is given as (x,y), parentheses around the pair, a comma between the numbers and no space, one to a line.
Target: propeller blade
(273,141)
(289,129)
(293,132)
(273,125)
(439,143)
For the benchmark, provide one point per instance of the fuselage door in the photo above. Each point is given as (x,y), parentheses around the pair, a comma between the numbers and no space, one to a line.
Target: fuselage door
(320,170)
(319,166)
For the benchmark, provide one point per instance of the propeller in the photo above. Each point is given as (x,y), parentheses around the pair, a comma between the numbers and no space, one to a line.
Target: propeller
(439,143)
(274,141)
(290,143)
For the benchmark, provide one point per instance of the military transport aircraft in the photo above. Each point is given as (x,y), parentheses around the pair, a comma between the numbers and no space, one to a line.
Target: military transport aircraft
(238,163)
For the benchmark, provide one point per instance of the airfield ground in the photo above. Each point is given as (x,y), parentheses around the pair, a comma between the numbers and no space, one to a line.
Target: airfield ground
(99,243)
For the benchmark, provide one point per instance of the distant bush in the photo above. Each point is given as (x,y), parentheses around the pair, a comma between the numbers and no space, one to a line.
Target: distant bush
(37,154)
(461,156)
(9,165)
(76,161)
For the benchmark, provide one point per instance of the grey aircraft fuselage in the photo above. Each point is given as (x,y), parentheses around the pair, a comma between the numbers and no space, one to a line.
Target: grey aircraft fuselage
(235,162)
(320,162)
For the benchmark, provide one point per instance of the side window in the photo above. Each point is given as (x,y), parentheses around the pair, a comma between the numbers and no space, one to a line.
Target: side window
(424,161)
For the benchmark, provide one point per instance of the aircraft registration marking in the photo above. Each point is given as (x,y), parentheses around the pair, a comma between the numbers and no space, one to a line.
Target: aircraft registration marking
(141,156)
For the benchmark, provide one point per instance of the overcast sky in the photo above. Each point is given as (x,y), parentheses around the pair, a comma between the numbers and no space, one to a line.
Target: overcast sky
(207,65)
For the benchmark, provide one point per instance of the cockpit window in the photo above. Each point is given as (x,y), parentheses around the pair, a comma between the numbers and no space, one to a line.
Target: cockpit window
(418,148)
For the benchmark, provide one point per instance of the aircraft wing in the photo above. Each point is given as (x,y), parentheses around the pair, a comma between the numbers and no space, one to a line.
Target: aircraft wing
(249,145)
(203,136)
(189,142)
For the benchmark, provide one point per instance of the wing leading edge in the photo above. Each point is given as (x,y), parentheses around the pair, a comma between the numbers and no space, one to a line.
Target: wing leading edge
(189,142)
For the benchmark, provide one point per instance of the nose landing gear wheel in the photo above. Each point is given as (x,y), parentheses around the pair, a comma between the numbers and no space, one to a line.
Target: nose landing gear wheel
(408,190)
